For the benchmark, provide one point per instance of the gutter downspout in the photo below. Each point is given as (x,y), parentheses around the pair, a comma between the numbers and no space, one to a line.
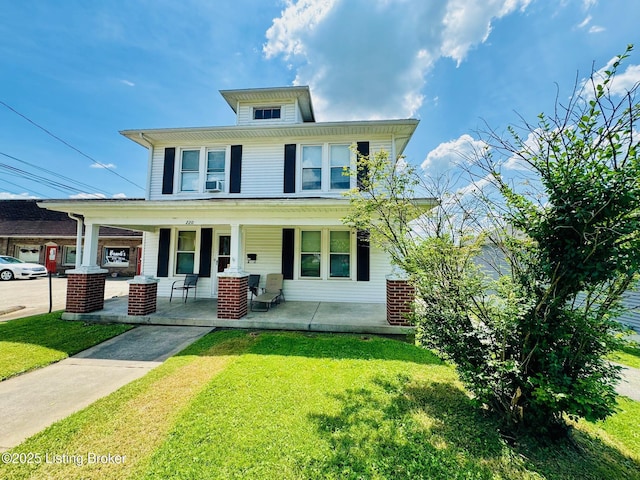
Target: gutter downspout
(147,194)
(79,228)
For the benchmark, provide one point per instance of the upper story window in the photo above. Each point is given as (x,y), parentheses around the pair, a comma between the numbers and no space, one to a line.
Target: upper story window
(325,167)
(311,167)
(266,113)
(189,170)
(203,170)
(339,162)
(214,180)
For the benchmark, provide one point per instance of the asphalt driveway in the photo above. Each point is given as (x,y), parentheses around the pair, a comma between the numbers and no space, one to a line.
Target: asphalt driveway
(35,400)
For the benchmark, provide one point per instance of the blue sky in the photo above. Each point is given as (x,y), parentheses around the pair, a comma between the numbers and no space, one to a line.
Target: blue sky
(82,71)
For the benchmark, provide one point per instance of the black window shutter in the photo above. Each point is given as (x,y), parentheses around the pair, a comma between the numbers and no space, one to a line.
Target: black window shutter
(363,173)
(236,169)
(168,170)
(290,168)
(163,252)
(363,251)
(206,242)
(288,252)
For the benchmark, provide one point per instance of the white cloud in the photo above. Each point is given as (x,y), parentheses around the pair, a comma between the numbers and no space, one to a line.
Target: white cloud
(474,187)
(13,196)
(88,195)
(529,147)
(623,82)
(368,59)
(127,83)
(119,195)
(585,22)
(452,153)
(103,165)
(596,29)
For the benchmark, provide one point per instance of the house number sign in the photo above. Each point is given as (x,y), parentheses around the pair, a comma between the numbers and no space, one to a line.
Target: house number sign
(189,222)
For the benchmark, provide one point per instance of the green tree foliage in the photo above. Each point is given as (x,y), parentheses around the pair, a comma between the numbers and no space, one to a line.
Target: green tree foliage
(530,343)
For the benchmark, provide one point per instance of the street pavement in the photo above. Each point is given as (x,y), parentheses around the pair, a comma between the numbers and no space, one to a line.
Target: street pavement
(22,298)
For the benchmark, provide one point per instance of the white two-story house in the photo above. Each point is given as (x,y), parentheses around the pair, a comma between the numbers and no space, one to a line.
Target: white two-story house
(265,195)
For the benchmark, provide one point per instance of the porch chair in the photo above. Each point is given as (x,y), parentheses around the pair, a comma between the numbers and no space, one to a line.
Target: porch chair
(254,285)
(189,282)
(271,294)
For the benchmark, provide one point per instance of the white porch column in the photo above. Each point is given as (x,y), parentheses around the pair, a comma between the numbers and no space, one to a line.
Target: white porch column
(236,262)
(90,250)
(79,229)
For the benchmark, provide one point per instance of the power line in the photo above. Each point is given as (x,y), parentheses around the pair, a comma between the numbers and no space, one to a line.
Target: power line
(69,145)
(55,174)
(21,186)
(39,178)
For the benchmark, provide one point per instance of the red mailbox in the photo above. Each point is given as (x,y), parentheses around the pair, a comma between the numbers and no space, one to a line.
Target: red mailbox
(50,258)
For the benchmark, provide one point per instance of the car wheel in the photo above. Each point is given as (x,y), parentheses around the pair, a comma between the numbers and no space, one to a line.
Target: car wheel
(6,275)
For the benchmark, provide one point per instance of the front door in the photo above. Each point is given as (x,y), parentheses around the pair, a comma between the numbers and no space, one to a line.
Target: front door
(223,256)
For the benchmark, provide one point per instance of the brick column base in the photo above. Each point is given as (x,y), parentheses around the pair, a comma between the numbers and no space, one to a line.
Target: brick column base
(400,296)
(143,293)
(232,295)
(85,291)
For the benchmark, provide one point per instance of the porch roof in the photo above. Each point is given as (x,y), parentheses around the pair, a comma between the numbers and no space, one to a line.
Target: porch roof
(147,215)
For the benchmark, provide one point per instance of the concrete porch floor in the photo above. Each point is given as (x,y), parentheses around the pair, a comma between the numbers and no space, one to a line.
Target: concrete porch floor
(289,315)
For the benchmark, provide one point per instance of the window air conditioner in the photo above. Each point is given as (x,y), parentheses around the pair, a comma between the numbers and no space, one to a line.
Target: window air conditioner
(214,186)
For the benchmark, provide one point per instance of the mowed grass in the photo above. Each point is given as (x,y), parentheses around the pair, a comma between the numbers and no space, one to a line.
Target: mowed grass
(629,356)
(267,405)
(32,342)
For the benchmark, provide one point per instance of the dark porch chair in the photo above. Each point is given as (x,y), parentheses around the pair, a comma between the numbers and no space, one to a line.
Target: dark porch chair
(189,282)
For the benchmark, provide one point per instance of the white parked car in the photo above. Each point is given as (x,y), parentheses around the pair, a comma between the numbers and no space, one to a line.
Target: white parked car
(11,268)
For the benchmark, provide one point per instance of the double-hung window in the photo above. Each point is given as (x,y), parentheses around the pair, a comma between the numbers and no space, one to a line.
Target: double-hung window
(186,252)
(215,170)
(310,254)
(339,254)
(190,171)
(325,167)
(325,254)
(339,162)
(312,167)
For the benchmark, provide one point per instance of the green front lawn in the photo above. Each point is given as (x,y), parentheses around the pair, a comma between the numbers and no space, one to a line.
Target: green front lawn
(629,356)
(33,342)
(308,406)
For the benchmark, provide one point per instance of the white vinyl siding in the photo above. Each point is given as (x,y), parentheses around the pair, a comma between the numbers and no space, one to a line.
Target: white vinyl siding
(262,168)
(266,243)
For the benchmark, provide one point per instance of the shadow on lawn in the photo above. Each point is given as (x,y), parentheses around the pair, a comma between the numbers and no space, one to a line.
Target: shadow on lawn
(316,345)
(404,429)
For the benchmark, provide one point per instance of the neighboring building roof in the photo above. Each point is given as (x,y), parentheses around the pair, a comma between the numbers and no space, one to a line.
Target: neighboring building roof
(23,218)
(302,94)
(400,129)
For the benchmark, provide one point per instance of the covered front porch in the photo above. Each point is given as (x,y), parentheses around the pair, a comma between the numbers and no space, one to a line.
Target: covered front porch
(290,315)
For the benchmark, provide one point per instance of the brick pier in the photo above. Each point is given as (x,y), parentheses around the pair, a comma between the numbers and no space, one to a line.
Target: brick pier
(232,295)
(85,290)
(143,294)
(400,296)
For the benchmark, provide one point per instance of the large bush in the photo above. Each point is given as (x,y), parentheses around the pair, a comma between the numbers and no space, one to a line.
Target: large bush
(530,338)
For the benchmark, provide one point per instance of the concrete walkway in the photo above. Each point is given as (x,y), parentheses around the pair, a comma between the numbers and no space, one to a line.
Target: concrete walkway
(35,400)
(629,385)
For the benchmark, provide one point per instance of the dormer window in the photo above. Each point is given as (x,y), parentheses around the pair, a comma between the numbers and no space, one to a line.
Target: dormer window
(266,113)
